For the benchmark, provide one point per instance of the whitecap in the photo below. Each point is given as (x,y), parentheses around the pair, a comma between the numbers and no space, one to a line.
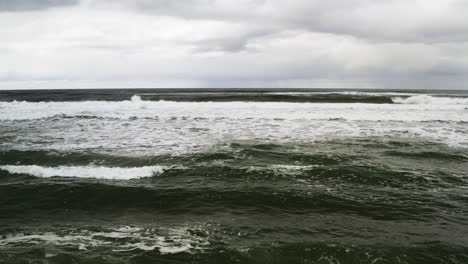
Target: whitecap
(413,108)
(110,173)
(431,100)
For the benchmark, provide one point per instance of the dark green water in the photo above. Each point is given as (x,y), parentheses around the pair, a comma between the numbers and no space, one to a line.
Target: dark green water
(229,181)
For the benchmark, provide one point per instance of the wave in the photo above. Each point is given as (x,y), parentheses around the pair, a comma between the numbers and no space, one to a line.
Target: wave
(247,196)
(77,158)
(222,95)
(429,155)
(348,93)
(96,172)
(430,100)
(409,109)
(216,172)
(84,246)
(81,246)
(239,158)
(209,96)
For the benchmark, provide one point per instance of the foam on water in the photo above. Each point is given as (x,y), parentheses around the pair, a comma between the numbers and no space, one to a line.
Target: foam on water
(125,238)
(417,108)
(181,136)
(144,127)
(283,169)
(86,171)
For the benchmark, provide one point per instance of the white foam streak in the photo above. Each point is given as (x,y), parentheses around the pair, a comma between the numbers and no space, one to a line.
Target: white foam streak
(170,241)
(86,171)
(283,169)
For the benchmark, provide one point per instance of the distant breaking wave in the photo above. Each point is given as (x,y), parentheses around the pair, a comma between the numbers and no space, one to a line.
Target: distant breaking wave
(431,100)
(443,108)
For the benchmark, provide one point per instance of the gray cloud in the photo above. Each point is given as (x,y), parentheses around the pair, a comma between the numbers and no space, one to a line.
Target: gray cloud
(369,43)
(28,5)
(397,20)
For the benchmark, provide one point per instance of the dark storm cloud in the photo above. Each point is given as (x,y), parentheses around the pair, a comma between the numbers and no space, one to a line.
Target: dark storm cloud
(28,5)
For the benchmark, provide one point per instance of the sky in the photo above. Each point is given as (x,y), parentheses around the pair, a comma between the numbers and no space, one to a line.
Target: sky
(393,44)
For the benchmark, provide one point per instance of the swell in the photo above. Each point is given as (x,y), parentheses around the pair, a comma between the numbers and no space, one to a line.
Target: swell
(277,177)
(363,177)
(283,97)
(60,158)
(40,200)
(190,246)
(229,95)
(199,96)
(290,253)
(364,162)
(429,155)
(245,155)
(339,253)
(311,98)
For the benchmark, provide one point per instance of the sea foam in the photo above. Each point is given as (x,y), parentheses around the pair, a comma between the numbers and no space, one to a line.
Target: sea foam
(415,108)
(125,238)
(86,171)
(179,128)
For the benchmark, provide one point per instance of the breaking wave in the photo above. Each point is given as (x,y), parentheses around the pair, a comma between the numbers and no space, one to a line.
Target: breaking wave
(443,108)
(431,100)
(86,171)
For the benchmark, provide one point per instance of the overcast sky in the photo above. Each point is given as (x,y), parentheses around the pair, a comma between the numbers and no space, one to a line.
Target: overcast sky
(234,43)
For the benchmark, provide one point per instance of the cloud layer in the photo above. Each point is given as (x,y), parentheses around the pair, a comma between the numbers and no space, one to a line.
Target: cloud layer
(246,43)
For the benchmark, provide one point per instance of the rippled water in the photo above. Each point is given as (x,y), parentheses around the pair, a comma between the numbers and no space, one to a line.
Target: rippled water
(215,176)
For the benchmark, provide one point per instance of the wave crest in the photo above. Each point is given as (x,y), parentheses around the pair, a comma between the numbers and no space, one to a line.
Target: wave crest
(138,108)
(136,98)
(431,100)
(108,173)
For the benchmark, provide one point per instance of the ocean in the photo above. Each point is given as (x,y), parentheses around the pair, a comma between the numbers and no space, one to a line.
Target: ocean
(233,176)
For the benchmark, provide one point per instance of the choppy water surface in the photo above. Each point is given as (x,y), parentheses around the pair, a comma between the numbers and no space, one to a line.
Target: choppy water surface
(243,176)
